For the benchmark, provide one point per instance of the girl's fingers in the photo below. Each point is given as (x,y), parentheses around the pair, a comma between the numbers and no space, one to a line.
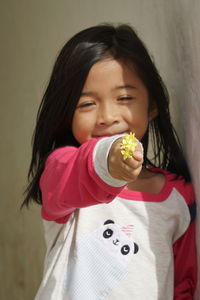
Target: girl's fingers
(127,169)
(130,166)
(134,163)
(138,153)
(129,174)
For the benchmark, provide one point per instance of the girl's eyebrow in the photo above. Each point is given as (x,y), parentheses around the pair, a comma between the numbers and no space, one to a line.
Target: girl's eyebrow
(87,93)
(126,86)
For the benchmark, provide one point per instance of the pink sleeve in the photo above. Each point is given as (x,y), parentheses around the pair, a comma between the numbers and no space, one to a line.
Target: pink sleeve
(69,181)
(185,257)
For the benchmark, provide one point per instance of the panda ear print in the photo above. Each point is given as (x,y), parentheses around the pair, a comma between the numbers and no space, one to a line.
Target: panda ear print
(109,222)
(136,248)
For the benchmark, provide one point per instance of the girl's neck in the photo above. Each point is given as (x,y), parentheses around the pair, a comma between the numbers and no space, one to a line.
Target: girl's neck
(148,181)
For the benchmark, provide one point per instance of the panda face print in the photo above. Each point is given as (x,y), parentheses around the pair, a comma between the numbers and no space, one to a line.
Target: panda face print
(116,241)
(105,255)
(113,236)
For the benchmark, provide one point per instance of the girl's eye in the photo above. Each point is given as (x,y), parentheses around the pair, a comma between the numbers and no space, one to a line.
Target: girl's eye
(85,105)
(128,98)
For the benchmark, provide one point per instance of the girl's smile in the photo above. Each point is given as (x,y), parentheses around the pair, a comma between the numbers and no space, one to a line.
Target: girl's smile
(114,100)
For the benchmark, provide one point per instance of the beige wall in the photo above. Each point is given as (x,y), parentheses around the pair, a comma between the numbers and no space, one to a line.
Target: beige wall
(32,32)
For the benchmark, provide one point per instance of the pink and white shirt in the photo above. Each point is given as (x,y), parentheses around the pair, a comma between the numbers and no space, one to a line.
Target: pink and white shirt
(107,242)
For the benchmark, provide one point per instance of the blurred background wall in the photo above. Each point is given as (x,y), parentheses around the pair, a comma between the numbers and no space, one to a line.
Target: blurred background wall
(32,33)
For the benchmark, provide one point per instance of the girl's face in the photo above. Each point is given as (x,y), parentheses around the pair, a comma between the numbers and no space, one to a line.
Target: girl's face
(113,101)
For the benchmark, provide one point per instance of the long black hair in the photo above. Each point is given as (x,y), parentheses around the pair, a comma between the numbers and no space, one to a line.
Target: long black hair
(54,118)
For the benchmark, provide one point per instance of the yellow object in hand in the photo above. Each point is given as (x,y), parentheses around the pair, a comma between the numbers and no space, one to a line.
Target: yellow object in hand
(128,145)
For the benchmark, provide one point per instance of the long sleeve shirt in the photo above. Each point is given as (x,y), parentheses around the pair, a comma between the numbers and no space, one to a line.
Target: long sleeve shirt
(107,242)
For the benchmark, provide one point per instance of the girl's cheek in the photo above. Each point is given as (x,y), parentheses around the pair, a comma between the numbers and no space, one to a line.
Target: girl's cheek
(81,136)
(129,114)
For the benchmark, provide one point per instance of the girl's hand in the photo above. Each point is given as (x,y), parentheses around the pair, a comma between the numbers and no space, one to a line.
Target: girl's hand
(127,170)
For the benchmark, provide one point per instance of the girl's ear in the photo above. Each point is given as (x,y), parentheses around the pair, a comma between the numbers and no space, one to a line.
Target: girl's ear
(153,113)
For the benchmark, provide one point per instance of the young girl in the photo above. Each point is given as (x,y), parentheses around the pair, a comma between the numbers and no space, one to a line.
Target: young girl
(115,228)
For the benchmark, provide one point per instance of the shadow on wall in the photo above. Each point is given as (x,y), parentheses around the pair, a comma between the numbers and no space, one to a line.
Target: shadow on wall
(187,46)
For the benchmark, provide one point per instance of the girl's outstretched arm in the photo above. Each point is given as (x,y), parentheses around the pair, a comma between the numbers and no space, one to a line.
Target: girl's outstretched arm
(79,177)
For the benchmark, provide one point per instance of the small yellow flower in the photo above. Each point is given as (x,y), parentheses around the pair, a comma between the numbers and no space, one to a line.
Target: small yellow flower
(128,145)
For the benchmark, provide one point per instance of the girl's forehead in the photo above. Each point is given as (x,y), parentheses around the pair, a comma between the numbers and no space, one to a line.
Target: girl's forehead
(111,65)
(112,73)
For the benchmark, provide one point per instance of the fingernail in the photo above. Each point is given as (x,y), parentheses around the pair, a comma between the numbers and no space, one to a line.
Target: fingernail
(138,154)
(141,147)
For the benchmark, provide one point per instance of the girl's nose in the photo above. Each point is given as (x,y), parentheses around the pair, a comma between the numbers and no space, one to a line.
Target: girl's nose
(108,115)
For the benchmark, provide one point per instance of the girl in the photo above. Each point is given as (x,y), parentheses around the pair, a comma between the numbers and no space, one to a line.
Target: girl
(114,228)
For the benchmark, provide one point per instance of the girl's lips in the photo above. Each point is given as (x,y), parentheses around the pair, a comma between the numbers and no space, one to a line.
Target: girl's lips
(109,134)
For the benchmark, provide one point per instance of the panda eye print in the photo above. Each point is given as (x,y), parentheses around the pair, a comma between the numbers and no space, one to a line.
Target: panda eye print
(107,233)
(125,249)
